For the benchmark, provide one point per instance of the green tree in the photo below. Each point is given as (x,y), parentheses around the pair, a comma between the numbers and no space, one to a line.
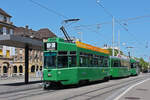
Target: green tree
(143,64)
(116,52)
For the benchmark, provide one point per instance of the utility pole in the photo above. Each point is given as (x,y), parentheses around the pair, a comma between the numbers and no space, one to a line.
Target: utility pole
(113,25)
(113,36)
(80,33)
(119,41)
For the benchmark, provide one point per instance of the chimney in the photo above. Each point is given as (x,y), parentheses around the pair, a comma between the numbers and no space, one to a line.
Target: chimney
(26,30)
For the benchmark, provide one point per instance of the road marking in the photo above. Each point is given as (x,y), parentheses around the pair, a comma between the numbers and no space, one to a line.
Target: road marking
(117,98)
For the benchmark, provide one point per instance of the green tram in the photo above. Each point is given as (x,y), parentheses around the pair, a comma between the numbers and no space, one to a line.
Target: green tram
(119,67)
(71,63)
(134,67)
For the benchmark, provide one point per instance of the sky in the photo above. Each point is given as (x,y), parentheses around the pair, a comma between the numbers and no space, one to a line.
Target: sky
(94,26)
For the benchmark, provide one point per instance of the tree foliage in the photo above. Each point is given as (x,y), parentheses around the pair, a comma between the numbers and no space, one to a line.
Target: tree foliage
(116,52)
(143,64)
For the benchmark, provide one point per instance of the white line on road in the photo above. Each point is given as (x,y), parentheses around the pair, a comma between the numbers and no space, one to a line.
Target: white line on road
(117,98)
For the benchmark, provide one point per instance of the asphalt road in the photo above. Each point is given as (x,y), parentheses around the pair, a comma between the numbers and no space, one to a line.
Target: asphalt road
(94,91)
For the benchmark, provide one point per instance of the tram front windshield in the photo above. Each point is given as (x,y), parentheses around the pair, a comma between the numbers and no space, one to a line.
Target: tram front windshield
(50,60)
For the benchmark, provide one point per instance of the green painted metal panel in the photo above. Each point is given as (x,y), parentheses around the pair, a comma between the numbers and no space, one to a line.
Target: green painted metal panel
(73,75)
(133,71)
(120,72)
(61,46)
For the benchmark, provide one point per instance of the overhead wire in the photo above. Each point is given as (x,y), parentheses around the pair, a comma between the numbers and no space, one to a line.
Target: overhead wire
(57,13)
(65,17)
(48,9)
(118,21)
(103,23)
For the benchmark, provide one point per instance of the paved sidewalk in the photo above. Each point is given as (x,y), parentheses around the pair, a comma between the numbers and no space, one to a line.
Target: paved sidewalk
(139,92)
(17,79)
(17,84)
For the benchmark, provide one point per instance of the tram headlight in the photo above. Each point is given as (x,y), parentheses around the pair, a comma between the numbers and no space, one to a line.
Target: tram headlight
(49,75)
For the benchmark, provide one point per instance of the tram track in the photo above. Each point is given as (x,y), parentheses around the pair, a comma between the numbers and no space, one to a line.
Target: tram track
(23,94)
(38,91)
(110,89)
(19,90)
(33,94)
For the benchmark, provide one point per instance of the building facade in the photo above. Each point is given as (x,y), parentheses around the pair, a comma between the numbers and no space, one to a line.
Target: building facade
(12,58)
(6,53)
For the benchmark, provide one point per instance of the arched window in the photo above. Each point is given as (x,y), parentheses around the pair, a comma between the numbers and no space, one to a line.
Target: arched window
(40,68)
(37,68)
(5,69)
(33,68)
(20,69)
(15,69)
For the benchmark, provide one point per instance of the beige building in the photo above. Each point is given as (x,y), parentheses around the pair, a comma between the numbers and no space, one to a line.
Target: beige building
(6,53)
(12,58)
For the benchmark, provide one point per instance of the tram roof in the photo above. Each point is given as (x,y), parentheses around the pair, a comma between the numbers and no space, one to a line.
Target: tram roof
(90,47)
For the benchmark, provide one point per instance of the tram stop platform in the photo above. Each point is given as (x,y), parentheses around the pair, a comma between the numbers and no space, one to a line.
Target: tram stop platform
(139,92)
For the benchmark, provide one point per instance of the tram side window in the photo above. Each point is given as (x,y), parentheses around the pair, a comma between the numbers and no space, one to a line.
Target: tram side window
(106,63)
(122,63)
(116,63)
(62,60)
(132,65)
(90,60)
(127,64)
(119,63)
(101,60)
(72,59)
(83,62)
(95,58)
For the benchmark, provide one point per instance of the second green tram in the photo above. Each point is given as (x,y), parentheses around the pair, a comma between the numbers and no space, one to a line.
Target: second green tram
(70,63)
(119,67)
(134,67)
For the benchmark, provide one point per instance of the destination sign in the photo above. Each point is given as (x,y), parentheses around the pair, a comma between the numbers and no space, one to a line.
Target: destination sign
(50,46)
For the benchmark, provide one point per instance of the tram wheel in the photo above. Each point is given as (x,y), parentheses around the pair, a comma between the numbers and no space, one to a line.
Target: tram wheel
(45,86)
